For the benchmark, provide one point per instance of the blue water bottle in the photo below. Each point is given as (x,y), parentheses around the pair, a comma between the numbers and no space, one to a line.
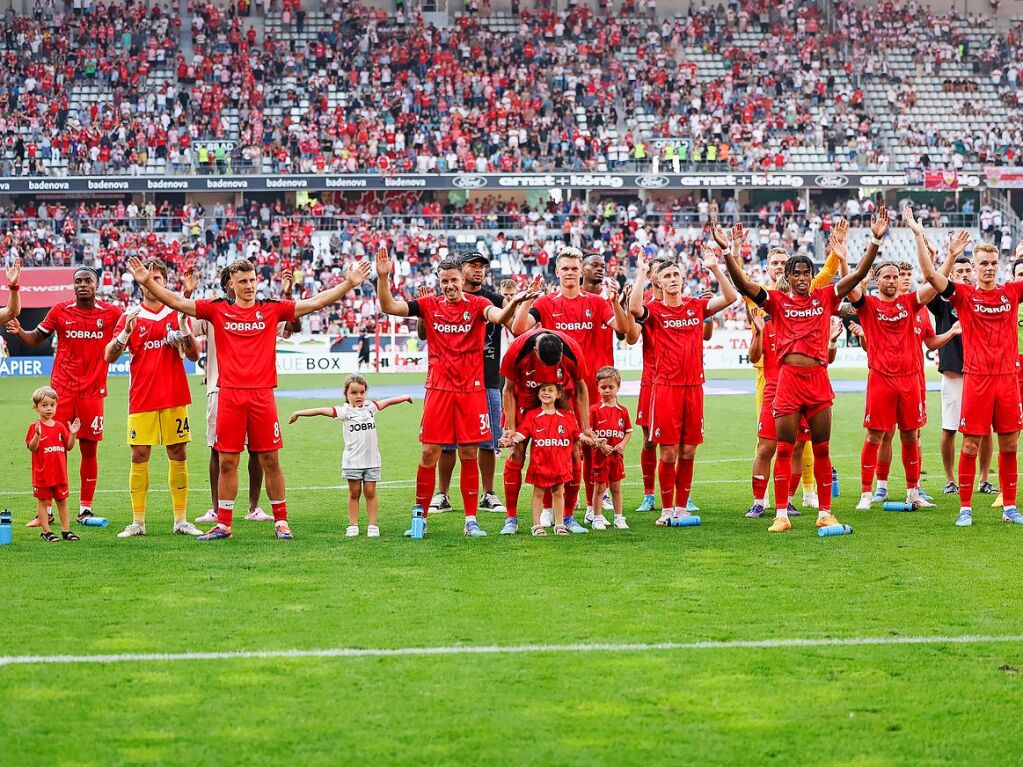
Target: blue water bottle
(6,529)
(689,521)
(898,506)
(834,482)
(95,522)
(418,522)
(834,530)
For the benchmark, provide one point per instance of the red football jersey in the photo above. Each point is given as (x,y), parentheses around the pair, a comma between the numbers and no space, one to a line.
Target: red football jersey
(455,337)
(803,323)
(988,319)
(246,340)
(585,319)
(679,331)
(610,422)
(157,374)
(769,350)
(49,462)
(649,354)
(552,438)
(893,343)
(79,369)
(524,369)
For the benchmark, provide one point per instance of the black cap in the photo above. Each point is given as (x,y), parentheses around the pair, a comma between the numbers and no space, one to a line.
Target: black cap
(472,256)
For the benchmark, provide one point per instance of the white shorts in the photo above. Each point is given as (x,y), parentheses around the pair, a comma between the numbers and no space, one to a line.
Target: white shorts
(211,418)
(362,475)
(951,402)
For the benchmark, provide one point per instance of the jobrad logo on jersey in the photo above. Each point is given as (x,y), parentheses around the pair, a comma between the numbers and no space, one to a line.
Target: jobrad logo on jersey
(677,324)
(610,434)
(361,426)
(244,327)
(570,326)
(1001,309)
(150,345)
(793,314)
(54,449)
(903,314)
(445,328)
(85,334)
(552,443)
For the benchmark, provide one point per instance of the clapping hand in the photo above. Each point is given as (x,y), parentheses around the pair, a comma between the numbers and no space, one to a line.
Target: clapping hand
(75,426)
(14,272)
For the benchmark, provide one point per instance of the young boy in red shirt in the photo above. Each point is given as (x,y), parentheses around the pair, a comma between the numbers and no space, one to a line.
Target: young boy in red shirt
(50,440)
(611,423)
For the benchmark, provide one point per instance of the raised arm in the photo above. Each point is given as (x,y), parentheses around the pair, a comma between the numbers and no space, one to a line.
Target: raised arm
(633,331)
(623,320)
(384,403)
(166,297)
(756,346)
(356,274)
(739,278)
(878,227)
(636,297)
(287,291)
(523,321)
(313,411)
(13,308)
(388,303)
(116,346)
(729,295)
(503,315)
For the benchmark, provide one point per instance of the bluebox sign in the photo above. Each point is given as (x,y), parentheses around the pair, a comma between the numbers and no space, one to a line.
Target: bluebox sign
(84,185)
(20,367)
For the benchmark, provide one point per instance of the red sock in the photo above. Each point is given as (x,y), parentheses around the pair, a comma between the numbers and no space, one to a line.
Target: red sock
(782,472)
(911,463)
(280,510)
(512,485)
(88,471)
(225,512)
(587,473)
(683,481)
(822,473)
(666,479)
(868,462)
(648,462)
(759,487)
(426,476)
(469,484)
(883,469)
(967,475)
(1007,478)
(572,492)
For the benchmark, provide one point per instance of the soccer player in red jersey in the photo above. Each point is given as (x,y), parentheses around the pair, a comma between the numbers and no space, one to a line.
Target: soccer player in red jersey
(49,440)
(158,400)
(13,308)
(535,358)
(455,410)
(648,453)
(676,409)
(612,429)
(586,318)
(803,318)
(991,392)
(83,329)
(246,333)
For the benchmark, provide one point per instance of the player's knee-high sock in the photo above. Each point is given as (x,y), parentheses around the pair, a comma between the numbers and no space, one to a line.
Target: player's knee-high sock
(572,491)
(512,486)
(911,463)
(759,487)
(1007,477)
(666,474)
(587,474)
(177,481)
(648,463)
(683,481)
(782,475)
(808,472)
(822,473)
(225,512)
(967,475)
(868,463)
(88,472)
(280,510)
(426,477)
(883,467)
(469,484)
(138,487)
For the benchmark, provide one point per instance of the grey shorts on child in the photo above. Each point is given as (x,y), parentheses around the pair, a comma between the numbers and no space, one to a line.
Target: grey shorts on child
(362,475)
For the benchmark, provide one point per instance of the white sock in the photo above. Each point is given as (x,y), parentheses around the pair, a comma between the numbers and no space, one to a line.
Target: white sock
(882,484)
(589,509)
(782,512)
(470,518)
(967,509)
(823,513)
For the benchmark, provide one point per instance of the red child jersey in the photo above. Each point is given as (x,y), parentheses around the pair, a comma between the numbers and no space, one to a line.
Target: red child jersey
(246,340)
(679,332)
(455,336)
(524,369)
(157,374)
(649,348)
(988,319)
(552,436)
(803,323)
(610,422)
(584,319)
(79,369)
(49,462)
(893,341)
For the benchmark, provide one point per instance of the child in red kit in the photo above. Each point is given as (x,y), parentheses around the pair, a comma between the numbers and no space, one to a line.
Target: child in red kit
(50,440)
(613,428)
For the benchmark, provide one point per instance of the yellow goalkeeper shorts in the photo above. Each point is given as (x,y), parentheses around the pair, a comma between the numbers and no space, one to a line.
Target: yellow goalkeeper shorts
(159,427)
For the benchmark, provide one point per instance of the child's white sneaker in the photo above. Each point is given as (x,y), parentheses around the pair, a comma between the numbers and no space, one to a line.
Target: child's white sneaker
(352,531)
(620,523)
(372,531)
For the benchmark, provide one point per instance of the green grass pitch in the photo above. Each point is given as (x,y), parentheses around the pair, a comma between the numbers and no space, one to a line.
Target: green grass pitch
(899,575)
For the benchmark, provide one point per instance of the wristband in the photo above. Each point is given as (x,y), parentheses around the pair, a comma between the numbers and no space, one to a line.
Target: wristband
(832,344)
(14,288)
(875,241)
(122,339)
(186,330)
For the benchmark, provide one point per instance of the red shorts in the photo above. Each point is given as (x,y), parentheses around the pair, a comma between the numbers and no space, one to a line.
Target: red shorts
(607,468)
(893,401)
(540,476)
(51,493)
(765,426)
(247,417)
(802,390)
(643,408)
(455,418)
(990,402)
(88,411)
(676,415)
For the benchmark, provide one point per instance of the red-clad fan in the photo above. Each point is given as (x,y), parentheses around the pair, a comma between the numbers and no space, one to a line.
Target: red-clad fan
(455,410)
(802,319)
(246,333)
(83,328)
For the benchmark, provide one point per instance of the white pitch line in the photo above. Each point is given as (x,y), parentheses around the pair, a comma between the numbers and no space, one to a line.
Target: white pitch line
(351,652)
